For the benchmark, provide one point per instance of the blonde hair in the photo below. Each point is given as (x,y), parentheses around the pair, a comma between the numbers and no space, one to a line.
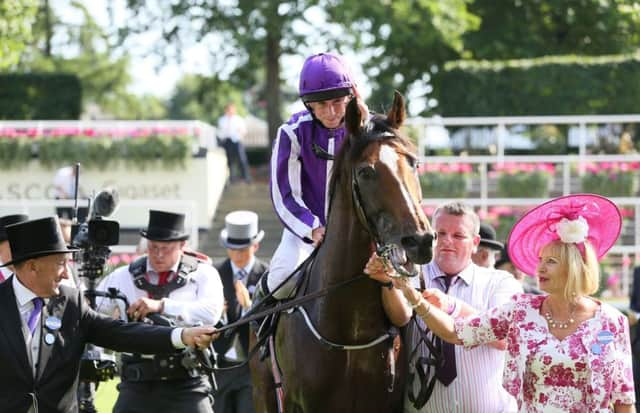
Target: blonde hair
(583,270)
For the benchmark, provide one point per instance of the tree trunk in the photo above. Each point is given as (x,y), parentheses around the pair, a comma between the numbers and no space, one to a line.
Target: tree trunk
(273,84)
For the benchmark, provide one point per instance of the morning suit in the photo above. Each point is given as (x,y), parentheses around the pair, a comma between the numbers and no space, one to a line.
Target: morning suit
(54,386)
(234,386)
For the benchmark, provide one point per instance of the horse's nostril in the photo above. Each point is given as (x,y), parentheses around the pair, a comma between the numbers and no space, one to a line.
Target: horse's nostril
(409,242)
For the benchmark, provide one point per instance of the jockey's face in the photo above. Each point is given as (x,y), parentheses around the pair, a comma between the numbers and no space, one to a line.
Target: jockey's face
(330,112)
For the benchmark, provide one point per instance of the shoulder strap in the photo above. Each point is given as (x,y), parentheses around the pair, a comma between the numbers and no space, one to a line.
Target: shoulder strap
(188,264)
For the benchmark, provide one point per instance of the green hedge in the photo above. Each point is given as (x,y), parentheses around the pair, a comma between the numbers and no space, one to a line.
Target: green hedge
(97,152)
(554,85)
(40,96)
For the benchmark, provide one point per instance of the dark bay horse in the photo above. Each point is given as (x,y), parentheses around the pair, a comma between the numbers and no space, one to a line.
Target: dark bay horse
(375,201)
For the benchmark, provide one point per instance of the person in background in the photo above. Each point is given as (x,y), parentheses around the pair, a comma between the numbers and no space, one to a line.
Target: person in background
(185,290)
(566,351)
(467,380)
(240,273)
(232,130)
(634,316)
(301,163)
(504,263)
(5,248)
(488,248)
(45,325)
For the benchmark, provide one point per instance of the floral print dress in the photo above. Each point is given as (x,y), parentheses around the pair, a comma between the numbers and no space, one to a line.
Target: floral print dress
(587,371)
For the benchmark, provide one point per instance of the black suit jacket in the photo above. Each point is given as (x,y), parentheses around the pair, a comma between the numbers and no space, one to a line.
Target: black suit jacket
(634,299)
(234,309)
(55,384)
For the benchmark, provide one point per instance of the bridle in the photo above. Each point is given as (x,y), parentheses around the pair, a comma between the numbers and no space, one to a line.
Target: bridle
(383,250)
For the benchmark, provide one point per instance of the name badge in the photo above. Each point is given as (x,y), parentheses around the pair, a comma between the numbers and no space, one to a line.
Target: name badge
(53,323)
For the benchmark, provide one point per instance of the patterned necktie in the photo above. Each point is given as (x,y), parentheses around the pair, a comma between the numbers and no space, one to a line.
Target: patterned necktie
(163,277)
(446,372)
(35,313)
(241,274)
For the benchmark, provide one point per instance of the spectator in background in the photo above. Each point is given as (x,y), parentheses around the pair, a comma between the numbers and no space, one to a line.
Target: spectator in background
(504,263)
(5,249)
(239,274)
(64,185)
(488,248)
(231,132)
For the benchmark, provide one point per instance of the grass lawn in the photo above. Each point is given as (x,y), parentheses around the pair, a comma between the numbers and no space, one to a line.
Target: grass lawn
(106,396)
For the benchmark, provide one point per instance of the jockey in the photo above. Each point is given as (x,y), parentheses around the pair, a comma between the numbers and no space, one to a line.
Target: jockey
(302,161)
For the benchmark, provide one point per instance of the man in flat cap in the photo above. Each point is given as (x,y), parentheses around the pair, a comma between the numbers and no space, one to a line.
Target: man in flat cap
(5,250)
(45,325)
(488,248)
(181,286)
(240,274)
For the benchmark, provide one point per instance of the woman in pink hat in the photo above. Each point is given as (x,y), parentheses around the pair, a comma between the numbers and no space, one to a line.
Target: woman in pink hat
(566,351)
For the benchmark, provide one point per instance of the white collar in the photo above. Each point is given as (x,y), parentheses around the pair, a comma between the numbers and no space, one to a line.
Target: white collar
(23,294)
(246,269)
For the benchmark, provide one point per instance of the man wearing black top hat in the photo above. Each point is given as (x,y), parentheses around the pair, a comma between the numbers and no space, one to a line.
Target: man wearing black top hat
(5,250)
(181,287)
(488,248)
(240,274)
(44,325)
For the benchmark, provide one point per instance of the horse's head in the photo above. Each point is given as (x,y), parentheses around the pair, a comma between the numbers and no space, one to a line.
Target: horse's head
(384,186)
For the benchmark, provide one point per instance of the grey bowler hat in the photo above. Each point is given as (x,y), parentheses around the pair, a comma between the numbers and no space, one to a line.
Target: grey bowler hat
(240,230)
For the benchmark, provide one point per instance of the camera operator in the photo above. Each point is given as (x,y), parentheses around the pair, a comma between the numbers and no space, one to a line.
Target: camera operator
(180,286)
(45,325)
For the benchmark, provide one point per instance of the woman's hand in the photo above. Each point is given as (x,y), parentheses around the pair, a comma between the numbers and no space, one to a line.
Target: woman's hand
(378,269)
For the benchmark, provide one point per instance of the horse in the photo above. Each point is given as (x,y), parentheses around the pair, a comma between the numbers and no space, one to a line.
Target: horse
(335,353)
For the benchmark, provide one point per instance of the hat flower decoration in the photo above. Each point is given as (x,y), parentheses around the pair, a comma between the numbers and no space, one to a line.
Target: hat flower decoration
(575,219)
(572,231)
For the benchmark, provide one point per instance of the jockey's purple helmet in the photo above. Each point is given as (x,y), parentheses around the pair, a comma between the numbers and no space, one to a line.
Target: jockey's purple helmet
(324,76)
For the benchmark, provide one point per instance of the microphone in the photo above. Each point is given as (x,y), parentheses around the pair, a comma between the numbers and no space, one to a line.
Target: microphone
(105,202)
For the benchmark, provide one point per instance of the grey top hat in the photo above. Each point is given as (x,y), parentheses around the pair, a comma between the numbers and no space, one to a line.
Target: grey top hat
(240,230)
(488,237)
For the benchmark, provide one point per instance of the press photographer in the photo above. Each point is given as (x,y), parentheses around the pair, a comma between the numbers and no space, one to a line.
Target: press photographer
(180,286)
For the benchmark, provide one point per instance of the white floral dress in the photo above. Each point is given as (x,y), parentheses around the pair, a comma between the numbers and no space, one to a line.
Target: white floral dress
(585,372)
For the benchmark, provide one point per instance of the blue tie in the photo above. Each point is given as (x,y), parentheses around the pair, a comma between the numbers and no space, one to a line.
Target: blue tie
(446,372)
(33,317)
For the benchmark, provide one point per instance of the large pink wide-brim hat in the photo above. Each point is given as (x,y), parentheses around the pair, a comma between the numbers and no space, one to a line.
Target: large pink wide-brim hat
(538,227)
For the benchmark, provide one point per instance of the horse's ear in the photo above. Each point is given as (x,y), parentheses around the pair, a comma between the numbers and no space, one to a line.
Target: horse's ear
(396,114)
(353,118)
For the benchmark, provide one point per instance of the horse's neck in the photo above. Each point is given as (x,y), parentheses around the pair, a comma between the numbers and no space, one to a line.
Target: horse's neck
(345,312)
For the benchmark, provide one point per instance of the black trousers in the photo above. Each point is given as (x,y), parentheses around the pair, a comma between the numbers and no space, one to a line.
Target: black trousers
(159,396)
(234,391)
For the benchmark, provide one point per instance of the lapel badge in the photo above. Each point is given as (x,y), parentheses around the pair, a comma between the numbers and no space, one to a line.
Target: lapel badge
(53,323)
(49,338)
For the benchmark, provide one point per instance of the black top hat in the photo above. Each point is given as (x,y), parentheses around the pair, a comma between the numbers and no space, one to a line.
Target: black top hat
(10,220)
(504,258)
(165,226)
(35,238)
(488,237)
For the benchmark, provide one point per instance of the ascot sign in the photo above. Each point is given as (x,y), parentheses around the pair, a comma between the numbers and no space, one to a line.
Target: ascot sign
(197,188)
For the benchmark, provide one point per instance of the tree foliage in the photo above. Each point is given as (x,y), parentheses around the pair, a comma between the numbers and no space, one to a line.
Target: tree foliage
(16,20)
(404,39)
(525,29)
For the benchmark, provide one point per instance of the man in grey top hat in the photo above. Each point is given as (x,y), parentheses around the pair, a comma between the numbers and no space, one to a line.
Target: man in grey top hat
(180,286)
(240,274)
(488,248)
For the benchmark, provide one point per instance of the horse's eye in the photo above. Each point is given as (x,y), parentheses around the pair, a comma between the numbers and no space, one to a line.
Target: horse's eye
(367,172)
(413,162)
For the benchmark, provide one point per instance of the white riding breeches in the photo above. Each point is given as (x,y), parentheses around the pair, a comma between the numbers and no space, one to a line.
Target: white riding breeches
(291,252)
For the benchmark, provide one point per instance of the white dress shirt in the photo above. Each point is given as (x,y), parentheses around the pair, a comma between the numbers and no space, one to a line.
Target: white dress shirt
(478,385)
